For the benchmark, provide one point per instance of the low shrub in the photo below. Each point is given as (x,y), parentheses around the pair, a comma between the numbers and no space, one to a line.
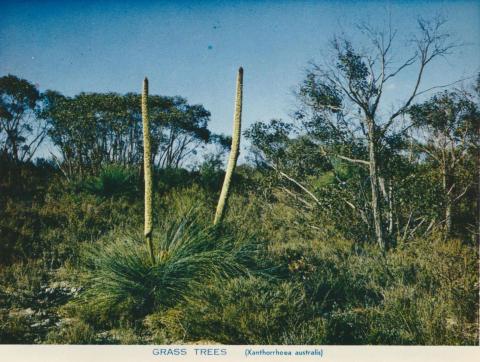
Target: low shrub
(122,283)
(248,310)
(72,332)
(113,180)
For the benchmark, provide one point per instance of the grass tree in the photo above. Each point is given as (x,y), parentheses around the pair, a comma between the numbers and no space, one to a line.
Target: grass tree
(234,151)
(122,278)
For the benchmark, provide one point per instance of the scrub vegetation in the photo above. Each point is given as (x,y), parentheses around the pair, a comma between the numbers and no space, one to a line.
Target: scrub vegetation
(351,223)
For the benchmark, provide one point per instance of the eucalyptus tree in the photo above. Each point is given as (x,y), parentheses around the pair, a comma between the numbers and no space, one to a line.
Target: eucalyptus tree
(94,129)
(343,100)
(21,131)
(322,191)
(183,130)
(447,137)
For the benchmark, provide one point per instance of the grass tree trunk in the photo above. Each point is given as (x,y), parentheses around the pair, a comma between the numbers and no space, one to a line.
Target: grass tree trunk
(147,170)
(377,216)
(234,151)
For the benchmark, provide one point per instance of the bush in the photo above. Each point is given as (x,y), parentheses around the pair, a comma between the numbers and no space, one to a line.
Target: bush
(113,180)
(168,178)
(249,310)
(21,285)
(121,281)
(422,292)
(15,327)
(74,332)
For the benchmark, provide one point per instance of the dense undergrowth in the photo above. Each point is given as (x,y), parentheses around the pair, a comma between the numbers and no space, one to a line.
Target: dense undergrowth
(74,269)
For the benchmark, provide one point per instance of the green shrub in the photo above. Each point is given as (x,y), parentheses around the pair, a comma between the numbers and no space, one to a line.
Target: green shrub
(15,327)
(121,280)
(113,180)
(171,178)
(21,284)
(311,331)
(73,332)
(20,226)
(242,311)
(211,172)
(422,292)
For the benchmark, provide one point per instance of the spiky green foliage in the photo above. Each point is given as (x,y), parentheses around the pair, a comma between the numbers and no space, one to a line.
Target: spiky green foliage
(120,275)
(147,169)
(232,160)
(113,180)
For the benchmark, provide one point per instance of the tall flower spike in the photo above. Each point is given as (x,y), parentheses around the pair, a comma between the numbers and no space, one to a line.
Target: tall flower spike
(147,169)
(234,151)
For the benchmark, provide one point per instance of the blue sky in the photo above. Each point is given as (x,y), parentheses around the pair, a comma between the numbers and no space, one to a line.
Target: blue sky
(193,48)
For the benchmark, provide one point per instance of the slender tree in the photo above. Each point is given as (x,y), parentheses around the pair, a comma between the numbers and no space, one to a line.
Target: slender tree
(449,122)
(147,169)
(234,151)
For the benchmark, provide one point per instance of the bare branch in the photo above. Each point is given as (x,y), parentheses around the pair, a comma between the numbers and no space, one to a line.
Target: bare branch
(296,183)
(430,45)
(406,64)
(463,192)
(296,197)
(353,160)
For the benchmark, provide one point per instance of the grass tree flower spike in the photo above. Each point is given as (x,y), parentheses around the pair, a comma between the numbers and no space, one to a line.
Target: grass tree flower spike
(234,151)
(147,169)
